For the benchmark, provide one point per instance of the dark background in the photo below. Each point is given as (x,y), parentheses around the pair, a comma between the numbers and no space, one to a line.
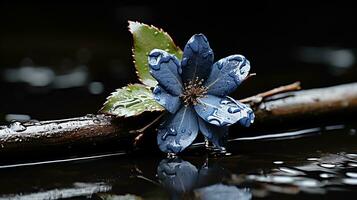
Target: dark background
(61,59)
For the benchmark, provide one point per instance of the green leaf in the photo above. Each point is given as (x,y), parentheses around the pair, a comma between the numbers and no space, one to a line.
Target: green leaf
(147,38)
(130,101)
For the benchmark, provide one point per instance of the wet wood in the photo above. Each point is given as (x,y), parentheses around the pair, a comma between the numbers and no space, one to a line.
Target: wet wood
(310,104)
(91,129)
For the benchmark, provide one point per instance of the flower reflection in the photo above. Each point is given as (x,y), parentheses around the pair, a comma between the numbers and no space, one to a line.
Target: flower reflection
(184,180)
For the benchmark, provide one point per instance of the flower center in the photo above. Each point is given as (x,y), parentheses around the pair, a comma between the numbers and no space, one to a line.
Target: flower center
(193,90)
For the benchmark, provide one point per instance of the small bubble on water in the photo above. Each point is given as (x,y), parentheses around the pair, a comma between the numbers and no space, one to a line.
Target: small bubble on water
(351,174)
(352,155)
(278,162)
(352,164)
(326,175)
(291,171)
(313,159)
(349,181)
(327,165)
(308,183)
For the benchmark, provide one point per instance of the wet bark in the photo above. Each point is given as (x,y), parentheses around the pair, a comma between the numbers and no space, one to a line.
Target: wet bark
(93,129)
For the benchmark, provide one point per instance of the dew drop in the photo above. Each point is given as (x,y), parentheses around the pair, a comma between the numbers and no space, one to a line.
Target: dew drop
(179,70)
(154,61)
(96,121)
(184,61)
(17,126)
(225,102)
(156,90)
(213,121)
(233,110)
(205,55)
(156,33)
(183,130)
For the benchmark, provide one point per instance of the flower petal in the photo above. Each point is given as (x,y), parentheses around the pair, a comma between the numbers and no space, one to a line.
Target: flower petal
(227,74)
(215,134)
(165,68)
(197,58)
(177,175)
(170,102)
(223,111)
(178,131)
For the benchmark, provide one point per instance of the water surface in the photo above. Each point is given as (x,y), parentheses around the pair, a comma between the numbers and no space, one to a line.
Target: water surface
(319,162)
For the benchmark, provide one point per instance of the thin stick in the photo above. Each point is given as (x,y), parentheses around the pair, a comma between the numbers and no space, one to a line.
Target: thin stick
(259,97)
(141,131)
(250,75)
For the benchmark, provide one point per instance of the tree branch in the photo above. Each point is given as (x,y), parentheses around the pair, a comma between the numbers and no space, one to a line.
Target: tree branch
(90,129)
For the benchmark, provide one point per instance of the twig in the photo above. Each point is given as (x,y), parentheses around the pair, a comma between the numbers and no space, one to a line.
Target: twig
(261,96)
(250,75)
(141,131)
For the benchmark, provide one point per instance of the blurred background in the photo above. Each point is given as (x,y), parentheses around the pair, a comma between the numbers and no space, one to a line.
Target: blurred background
(60,60)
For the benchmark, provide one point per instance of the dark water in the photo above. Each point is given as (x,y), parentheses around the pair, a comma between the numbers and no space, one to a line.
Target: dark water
(62,60)
(304,164)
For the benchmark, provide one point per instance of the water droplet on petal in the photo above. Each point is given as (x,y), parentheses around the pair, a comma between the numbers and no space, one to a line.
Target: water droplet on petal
(179,70)
(184,61)
(233,110)
(157,90)
(220,66)
(154,60)
(225,101)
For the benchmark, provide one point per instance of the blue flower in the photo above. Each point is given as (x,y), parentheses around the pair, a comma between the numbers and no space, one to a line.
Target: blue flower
(194,92)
